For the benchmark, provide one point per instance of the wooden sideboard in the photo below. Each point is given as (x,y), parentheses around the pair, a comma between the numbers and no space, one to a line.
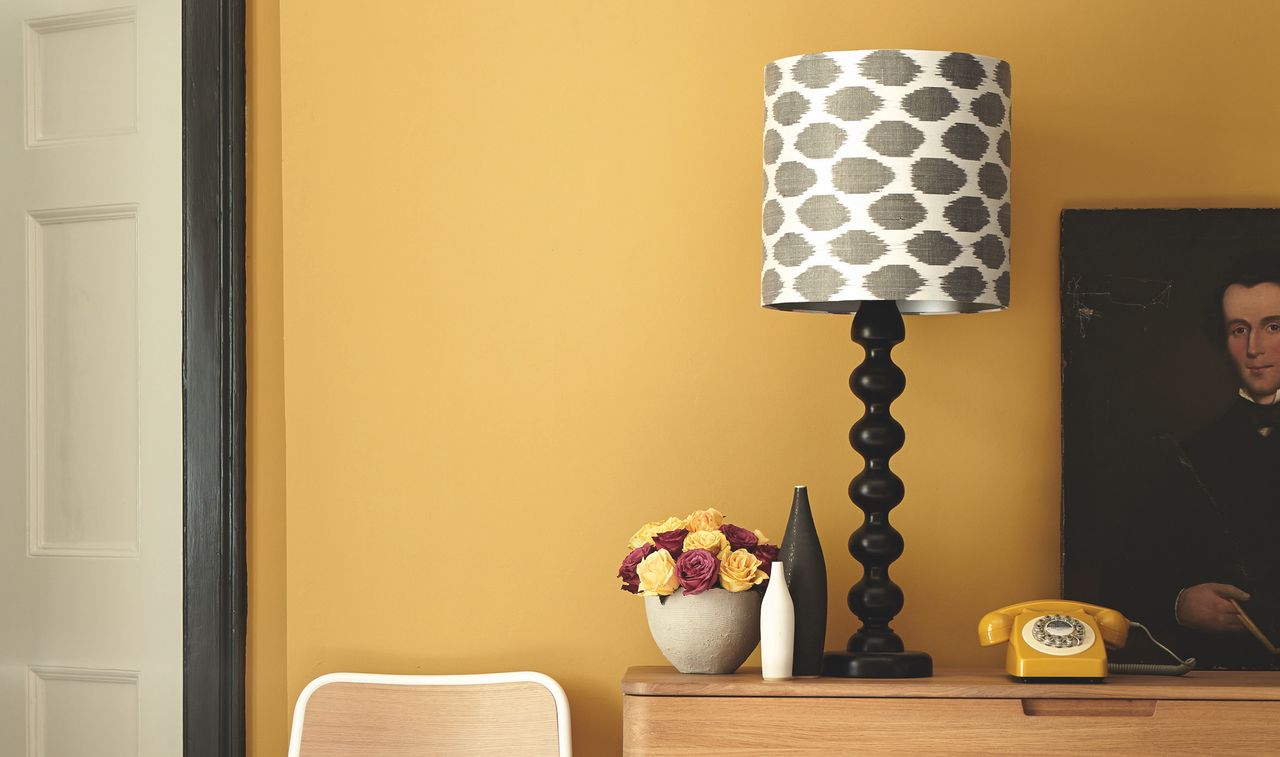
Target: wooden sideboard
(954,712)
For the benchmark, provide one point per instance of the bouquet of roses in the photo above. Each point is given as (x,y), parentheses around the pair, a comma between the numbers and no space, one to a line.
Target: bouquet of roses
(695,553)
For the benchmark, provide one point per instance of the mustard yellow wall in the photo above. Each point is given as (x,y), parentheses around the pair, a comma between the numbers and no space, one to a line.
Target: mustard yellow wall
(504,292)
(268,702)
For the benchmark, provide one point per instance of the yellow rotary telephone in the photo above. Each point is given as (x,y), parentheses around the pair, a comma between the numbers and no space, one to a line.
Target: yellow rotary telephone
(1061,639)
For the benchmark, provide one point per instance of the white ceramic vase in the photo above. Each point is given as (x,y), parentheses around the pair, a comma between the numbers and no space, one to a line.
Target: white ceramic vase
(777,627)
(711,632)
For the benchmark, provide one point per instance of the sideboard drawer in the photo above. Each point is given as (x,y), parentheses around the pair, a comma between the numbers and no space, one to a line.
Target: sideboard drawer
(678,725)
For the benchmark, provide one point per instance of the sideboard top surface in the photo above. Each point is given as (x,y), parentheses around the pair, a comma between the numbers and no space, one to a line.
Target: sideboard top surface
(957,683)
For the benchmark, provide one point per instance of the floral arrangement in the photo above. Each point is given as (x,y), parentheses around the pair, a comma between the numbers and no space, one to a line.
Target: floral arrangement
(695,553)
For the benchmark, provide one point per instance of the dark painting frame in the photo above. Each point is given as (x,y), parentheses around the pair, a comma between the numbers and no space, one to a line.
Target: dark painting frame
(1140,371)
(215,583)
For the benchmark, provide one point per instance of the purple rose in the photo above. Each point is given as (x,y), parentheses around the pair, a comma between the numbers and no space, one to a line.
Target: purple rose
(672,541)
(697,570)
(739,538)
(766,554)
(630,581)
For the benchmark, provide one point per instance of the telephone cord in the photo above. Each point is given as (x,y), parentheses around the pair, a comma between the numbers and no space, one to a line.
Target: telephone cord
(1182,668)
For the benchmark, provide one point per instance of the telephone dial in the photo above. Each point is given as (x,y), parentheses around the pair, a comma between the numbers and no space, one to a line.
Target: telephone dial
(1064,640)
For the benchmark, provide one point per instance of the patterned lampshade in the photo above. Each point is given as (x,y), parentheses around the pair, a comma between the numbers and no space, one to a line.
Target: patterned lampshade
(886,178)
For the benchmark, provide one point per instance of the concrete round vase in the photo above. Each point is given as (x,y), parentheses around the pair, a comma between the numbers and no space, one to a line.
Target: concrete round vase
(711,632)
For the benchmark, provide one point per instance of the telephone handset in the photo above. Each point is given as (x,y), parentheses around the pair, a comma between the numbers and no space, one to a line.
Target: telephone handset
(1061,639)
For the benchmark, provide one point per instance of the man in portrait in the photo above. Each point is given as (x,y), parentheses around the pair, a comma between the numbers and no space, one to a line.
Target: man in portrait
(1209,533)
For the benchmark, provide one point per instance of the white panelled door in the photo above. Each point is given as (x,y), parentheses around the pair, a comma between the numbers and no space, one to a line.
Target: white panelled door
(90,378)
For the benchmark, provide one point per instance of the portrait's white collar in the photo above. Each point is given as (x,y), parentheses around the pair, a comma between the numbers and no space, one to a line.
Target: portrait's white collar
(1245,394)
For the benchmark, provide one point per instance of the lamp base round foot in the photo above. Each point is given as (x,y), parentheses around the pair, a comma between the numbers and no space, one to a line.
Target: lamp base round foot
(909,664)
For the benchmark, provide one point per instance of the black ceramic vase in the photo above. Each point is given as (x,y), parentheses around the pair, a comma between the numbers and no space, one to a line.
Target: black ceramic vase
(801,556)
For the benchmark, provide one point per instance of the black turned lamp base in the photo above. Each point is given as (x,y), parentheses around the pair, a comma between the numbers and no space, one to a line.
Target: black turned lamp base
(875,651)
(841,664)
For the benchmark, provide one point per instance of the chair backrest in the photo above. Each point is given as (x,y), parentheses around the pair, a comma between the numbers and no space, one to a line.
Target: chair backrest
(349,714)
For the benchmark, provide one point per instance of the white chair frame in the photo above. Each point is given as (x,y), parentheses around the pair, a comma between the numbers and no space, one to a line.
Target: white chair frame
(557,693)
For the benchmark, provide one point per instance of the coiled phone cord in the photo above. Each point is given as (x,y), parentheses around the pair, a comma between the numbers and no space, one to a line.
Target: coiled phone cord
(1182,668)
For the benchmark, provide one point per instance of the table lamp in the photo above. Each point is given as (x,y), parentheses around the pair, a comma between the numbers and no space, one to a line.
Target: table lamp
(886,192)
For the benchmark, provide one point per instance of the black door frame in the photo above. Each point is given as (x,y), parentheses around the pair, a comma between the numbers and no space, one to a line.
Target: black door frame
(215,588)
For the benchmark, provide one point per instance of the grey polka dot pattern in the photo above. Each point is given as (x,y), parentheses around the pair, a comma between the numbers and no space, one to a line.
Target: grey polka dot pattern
(820,140)
(894,282)
(886,177)
(860,175)
(853,103)
(933,248)
(962,70)
(964,283)
(1004,79)
(792,249)
(930,103)
(823,213)
(858,247)
(895,139)
(896,212)
(772,147)
(966,141)
(937,176)
(789,108)
(892,68)
(770,286)
(988,108)
(772,217)
(992,181)
(967,214)
(990,250)
(772,78)
(815,71)
(793,179)
(1002,289)
(818,283)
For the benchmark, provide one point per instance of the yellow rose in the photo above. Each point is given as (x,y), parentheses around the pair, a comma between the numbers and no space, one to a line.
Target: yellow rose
(712,541)
(760,537)
(657,574)
(649,530)
(740,571)
(705,520)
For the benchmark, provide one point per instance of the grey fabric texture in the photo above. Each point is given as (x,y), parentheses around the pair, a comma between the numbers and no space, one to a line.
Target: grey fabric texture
(930,103)
(967,214)
(934,247)
(860,175)
(793,179)
(815,71)
(891,68)
(894,282)
(823,213)
(937,176)
(896,139)
(897,212)
(858,247)
(820,140)
(990,250)
(853,103)
(818,283)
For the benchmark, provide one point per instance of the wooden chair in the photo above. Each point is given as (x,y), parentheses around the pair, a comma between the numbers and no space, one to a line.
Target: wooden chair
(508,714)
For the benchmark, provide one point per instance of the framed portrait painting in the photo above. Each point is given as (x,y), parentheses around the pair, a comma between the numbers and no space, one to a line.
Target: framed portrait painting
(1171,437)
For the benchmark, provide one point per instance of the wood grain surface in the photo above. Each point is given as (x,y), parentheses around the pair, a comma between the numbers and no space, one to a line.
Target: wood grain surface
(830,726)
(956,712)
(957,684)
(359,719)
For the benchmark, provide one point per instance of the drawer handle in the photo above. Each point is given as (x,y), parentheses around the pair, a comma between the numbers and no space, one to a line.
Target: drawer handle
(1113,708)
